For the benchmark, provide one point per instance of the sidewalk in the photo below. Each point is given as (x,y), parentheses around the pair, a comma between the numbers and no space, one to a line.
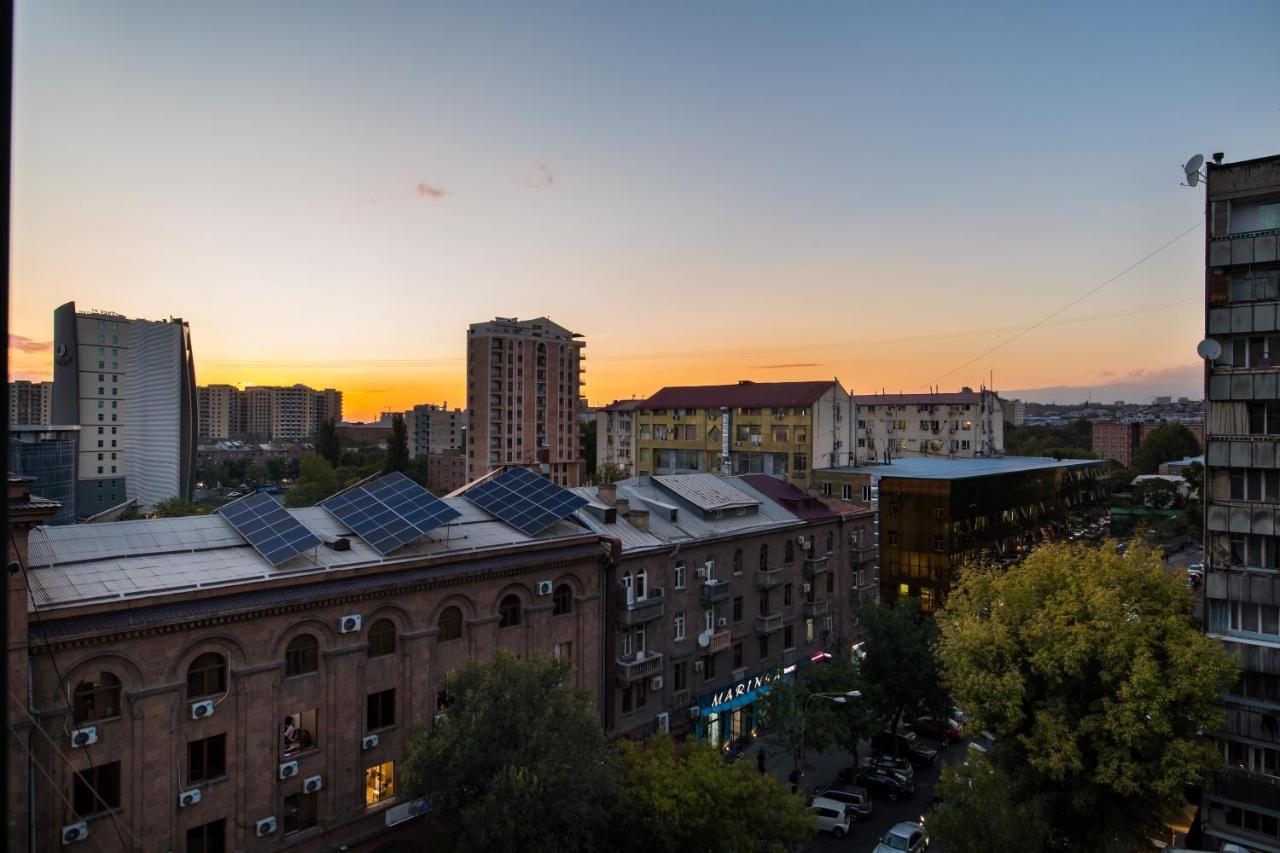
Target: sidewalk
(822,766)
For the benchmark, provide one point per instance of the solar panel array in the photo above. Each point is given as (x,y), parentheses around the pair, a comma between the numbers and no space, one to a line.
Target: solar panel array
(524,500)
(390,512)
(269,528)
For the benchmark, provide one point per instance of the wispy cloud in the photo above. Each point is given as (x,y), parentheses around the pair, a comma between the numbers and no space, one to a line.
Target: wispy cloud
(785,366)
(429,192)
(546,182)
(25,344)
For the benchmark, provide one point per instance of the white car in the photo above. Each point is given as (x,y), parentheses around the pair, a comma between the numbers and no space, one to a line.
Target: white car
(905,836)
(833,816)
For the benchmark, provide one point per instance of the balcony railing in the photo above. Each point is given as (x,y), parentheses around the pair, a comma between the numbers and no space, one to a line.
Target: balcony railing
(814,566)
(769,624)
(638,666)
(714,591)
(1241,785)
(638,610)
(768,578)
(720,641)
(816,608)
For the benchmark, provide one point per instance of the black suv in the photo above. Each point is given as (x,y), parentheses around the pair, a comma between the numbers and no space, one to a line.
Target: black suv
(907,745)
(883,782)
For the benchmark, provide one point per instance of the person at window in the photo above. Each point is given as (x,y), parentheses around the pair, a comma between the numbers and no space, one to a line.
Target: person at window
(292,736)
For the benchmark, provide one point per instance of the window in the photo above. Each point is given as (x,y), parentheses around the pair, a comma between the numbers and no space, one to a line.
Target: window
(208,838)
(96,789)
(831,582)
(96,698)
(846,492)
(826,490)
(679,676)
(737,561)
(893,537)
(302,655)
(509,612)
(449,625)
(299,812)
(206,758)
(764,557)
(563,651)
(808,630)
(679,576)
(788,637)
(562,601)
(298,732)
(207,676)
(737,655)
(382,638)
(786,595)
(678,621)
(379,783)
(940,544)
(708,667)
(866,494)
(380,710)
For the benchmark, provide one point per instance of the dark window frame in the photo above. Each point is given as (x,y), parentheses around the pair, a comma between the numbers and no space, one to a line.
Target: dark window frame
(207,675)
(97,699)
(380,710)
(209,754)
(509,611)
(447,628)
(302,656)
(382,638)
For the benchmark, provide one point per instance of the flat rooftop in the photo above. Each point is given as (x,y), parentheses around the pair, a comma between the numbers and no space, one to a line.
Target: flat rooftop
(939,468)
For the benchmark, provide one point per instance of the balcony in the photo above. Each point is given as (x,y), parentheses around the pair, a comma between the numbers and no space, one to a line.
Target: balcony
(1243,786)
(814,566)
(638,666)
(769,624)
(720,641)
(714,591)
(768,578)
(814,609)
(637,611)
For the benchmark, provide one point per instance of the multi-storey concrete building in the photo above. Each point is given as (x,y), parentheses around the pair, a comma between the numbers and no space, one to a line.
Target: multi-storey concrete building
(747,428)
(222,412)
(964,424)
(47,455)
(616,435)
(130,385)
(435,428)
(1119,440)
(523,384)
(328,406)
(289,411)
(30,403)
(1242,493)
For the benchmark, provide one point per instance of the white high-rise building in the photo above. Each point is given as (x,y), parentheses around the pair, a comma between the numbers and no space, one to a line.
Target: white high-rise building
(30,402)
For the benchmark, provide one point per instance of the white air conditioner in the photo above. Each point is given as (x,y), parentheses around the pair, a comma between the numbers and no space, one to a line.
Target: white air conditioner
(664,722)
(288,770)
(266,826)
(439,716)
(368,742)
(200,710)
(700,571)
(188,798)
(722,621)
(349,624)
(697,666)
(802,542)
(85,736)
(75,832)
(695,711)
(312,784)
(544,587)
(655,683)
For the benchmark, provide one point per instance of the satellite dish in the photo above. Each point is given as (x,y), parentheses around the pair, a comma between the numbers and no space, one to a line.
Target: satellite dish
(704,639)
(1209,349)
(1193,169)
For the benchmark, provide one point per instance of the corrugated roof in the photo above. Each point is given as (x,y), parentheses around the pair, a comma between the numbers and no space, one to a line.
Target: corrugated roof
(941,468)
(705,491)
(797,501)
(742,394)
(954,398)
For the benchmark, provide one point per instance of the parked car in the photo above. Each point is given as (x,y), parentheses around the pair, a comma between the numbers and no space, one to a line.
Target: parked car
(905,744)
(881,781)
(893,762)
(857,799)
(833,817)
(905,836)
(944,731)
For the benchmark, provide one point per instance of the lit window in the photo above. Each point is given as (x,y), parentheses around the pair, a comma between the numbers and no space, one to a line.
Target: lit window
(379,783)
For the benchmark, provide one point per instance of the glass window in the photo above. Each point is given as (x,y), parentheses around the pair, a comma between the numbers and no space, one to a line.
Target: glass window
(562,600)
(96,789)
(678,622)
(380,710)
(379,783)
(208,838)
(382,638)
(206,758)
(299,812)
(302,655)
(298,731)
(207,676)
(97,698)
(509,612)
(449,624)
(679,576)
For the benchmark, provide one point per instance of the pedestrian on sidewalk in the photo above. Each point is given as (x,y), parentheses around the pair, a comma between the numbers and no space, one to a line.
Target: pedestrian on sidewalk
(760,761)
(795,779)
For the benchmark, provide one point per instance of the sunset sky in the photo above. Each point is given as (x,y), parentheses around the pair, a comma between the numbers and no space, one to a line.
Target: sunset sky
(331,192)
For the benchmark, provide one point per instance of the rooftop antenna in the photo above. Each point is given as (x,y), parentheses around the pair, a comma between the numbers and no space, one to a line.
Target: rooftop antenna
(1192,170)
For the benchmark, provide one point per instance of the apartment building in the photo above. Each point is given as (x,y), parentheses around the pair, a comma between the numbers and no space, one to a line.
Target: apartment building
(30,403)
(1119,440)
(47,455)
(1242,493)
(965,424)
(782,428)
(130,386)
(222,412)
(524,380)
(435,428)
(289,411)
(616,435)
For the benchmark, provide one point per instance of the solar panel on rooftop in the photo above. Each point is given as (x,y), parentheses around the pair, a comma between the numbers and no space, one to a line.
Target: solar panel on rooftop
(390,512)
(524,500)
(269,528)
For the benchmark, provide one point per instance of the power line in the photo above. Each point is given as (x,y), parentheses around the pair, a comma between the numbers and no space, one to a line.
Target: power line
(49,778)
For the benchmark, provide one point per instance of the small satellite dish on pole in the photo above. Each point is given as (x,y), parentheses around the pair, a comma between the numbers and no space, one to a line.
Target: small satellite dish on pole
(1192,169)
(1209,349)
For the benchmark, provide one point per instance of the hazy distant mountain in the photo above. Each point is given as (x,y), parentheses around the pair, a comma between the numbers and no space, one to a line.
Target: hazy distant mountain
(1136,386)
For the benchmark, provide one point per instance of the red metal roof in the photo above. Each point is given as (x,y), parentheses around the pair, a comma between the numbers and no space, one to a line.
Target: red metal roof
(743,394)
(955,398)
(622,406)
(795,501)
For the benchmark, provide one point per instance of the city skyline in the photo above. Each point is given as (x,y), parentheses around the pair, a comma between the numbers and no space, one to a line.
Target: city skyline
(731,194)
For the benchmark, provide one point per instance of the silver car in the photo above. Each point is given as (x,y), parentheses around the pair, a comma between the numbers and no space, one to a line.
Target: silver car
(905,836)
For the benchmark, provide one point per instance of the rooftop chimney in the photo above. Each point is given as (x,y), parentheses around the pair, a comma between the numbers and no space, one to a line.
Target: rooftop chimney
(608,492)
(639,519)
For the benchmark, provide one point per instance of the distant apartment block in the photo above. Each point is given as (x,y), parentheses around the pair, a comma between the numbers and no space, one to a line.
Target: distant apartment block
(1015,412)
(781,428)
(1119,440)
(965,424)
(30,403)
(524,380)
(616,435)
(130,385)
(435,428)
(222,412)
(265,411)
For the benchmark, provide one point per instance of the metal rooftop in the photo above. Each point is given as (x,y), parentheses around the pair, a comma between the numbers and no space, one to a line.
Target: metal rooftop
(705,491)
(939,468)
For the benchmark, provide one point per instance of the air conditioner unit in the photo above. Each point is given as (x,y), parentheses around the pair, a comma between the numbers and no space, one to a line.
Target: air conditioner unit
(288,770)
(722,621)
(697,666)
(655,683)
(188,798)
(75,832)
(439,716)
(700,571)
(266,826)
(200,710)
(808,587)
(695,711)
(349,624)
(312,784)
(544,587)
(85,736)
(664,722)
(801,541)
(368,742)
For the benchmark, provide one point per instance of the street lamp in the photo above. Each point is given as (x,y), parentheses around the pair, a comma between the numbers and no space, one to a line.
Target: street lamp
(838,698)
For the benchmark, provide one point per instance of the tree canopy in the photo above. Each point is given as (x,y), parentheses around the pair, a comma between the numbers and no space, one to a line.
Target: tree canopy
(176,507)
(397,458)
(978,812)
(327,444)
(900,669)
(1098,684)
(1165,443)
(316,481)
(1073,441)
(794,723)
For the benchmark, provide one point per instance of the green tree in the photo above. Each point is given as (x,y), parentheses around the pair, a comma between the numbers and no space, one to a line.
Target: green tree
(256,473)
(1194,514)
(212,473)
(587,441)
(176,507)
(683,796)
(1099,685)
(327,443)
(900,669)
(608,473)
(977,812)
(276,467)
(316,481)
(1165,443)
(794,722)
(518,762)
(397,458)
(417,470)
(1073,441)
(1156,493)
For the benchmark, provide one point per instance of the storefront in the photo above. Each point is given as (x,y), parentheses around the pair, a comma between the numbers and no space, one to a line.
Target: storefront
(727,715)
